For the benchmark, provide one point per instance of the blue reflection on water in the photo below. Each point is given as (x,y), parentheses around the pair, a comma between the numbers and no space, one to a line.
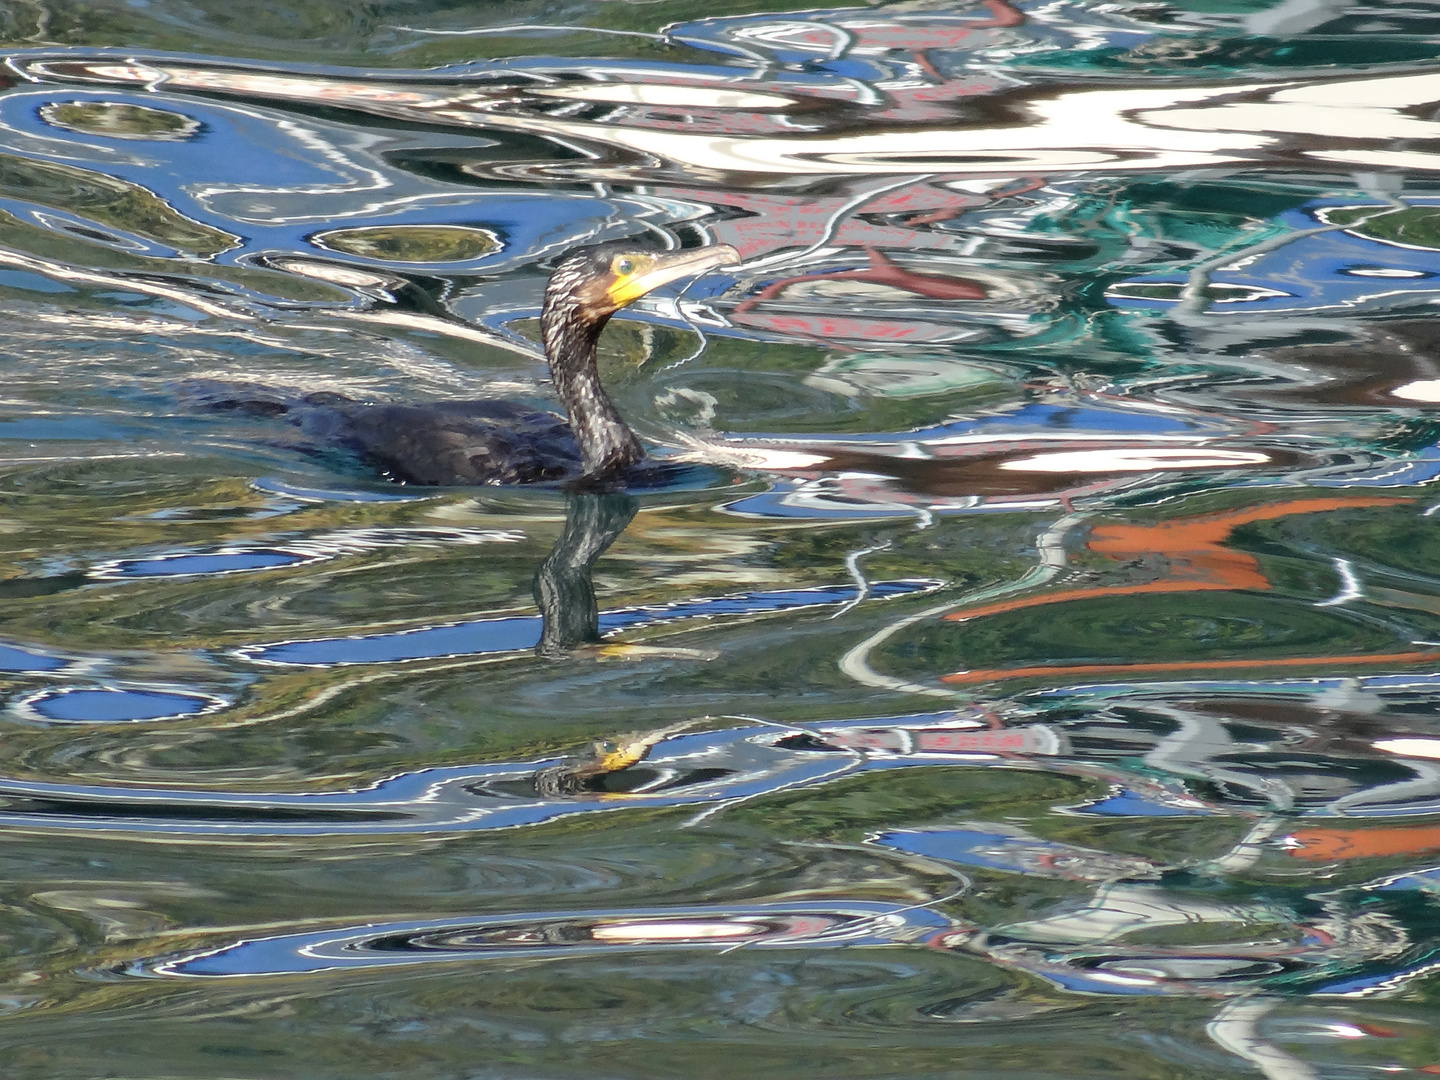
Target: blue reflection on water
(1037,417)
(223,562)
(996,848)
(567,933)
(242,153)
(1316,271)
(523,631)
(1130,804)
(114,705)
(20,279)
(17,660)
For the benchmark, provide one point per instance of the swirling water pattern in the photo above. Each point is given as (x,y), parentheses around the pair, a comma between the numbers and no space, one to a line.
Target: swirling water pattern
(1026,663)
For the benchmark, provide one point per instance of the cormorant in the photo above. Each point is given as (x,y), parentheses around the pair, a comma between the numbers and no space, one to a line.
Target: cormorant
(445,443)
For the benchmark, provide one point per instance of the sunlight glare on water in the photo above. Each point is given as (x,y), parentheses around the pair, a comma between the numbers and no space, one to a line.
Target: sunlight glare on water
(1018,656)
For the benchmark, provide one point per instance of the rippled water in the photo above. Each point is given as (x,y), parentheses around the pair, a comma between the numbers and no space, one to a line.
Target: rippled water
(1024,660)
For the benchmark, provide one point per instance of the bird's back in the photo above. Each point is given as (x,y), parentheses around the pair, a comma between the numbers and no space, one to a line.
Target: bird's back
(446,443)
(435,443)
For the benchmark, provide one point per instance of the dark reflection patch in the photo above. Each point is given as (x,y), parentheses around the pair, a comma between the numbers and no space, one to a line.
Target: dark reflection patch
(111,201)
(1416,226)
(120,120)
(411,243)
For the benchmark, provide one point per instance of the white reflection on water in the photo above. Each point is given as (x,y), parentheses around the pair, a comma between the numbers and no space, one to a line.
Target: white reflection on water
(1124,129)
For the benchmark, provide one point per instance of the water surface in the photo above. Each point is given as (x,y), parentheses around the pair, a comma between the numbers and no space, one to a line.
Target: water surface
(1026,665)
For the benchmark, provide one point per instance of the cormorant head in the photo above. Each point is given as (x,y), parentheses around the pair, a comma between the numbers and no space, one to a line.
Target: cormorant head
(593,283)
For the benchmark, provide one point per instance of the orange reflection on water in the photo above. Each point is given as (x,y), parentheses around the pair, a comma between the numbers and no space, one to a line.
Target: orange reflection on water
(1192,554)
(1325,845)
(1176,667)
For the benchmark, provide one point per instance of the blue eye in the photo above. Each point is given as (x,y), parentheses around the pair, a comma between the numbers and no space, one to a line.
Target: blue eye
(625,266)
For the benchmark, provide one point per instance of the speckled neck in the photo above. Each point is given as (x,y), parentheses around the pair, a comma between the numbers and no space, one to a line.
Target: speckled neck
(606,442)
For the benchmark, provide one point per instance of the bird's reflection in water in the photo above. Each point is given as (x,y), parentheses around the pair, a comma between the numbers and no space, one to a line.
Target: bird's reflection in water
(564,590)
(565,594)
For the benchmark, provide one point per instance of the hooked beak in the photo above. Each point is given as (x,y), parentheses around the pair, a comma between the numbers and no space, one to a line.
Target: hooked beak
(668,266)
